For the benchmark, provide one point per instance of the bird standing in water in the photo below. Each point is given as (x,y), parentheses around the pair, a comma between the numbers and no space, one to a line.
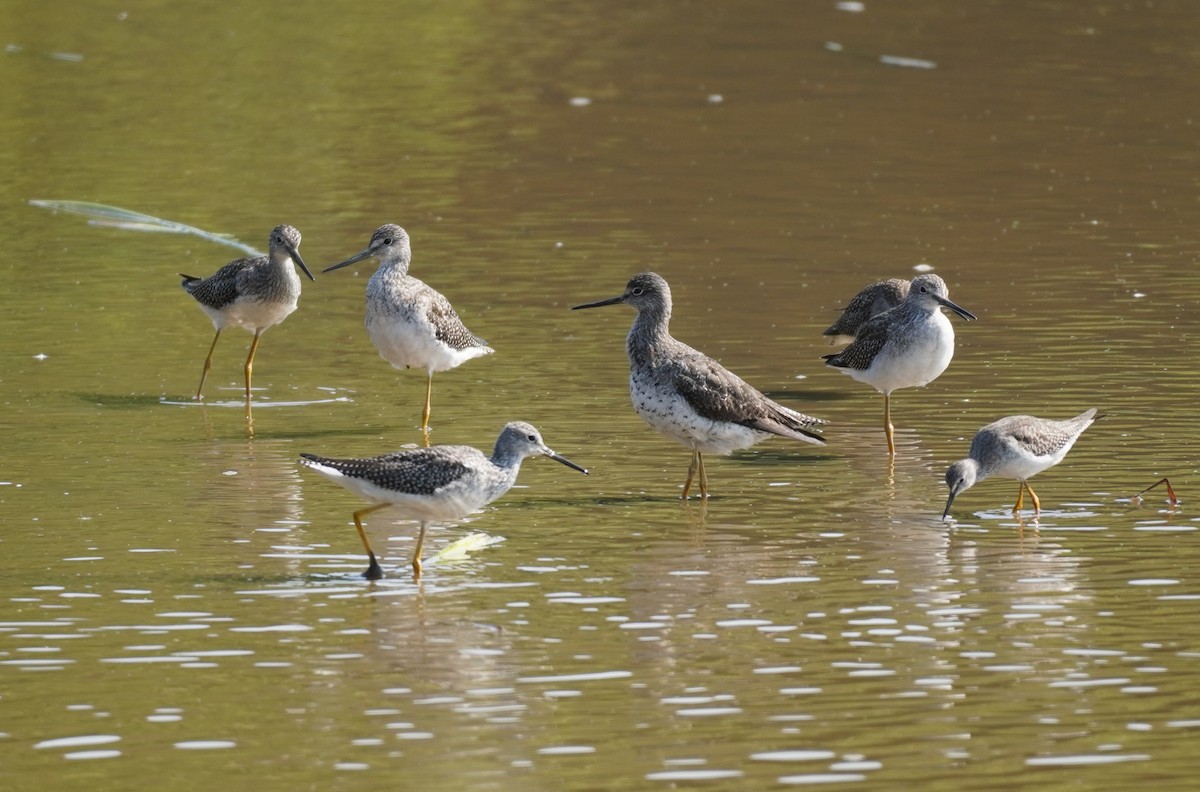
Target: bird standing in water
(1017,447)
(254,293)
(905,347)
(444,482)
(688,396)
(411,324)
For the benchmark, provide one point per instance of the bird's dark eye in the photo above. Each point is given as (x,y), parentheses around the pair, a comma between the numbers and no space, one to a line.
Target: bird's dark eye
(637,291)
(531,439)
(387,241)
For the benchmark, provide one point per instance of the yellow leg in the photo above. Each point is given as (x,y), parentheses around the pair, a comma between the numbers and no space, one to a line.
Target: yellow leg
(1037,504)
(687,485)
(416,559)
(428,397)
(374,571)
(250,360)
(887,423)
(207,364)
(703,476)
(1020,497)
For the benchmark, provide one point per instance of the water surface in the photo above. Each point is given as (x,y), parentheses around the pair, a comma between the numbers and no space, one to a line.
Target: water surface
(182,602)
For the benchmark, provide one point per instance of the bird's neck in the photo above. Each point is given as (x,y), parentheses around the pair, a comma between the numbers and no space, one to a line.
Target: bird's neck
(928,308)
(649,334)
(282,263)
(280,260)
(395,269)
(509,465)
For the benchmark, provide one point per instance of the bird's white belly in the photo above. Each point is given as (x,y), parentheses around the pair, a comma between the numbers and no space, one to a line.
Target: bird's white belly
(1023,466)
(916,362)
(445,507)
(405,344)
(251,314)
(671,415)
(452,502)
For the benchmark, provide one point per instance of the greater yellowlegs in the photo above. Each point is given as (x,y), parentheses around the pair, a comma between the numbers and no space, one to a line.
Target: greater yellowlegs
(907,346)
(871,301)
(1017,447)
(688,396)
(443,482)
(411,324)
(253,293)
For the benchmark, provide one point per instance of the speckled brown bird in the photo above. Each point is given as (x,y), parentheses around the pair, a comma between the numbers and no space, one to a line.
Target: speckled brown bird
(253,293)
(688,396)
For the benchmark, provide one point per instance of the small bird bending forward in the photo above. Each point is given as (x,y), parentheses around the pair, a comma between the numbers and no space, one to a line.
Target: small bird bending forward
(688,396)
(1017,447)
(254,293)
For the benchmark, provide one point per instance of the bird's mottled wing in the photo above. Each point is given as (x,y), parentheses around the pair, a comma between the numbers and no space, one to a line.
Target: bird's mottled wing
(718,394)
(421,471)
(787,422)
(1043,439)
(871,301)
(866,345)
(448,328)
(855,312)
(220,288)
(712,390)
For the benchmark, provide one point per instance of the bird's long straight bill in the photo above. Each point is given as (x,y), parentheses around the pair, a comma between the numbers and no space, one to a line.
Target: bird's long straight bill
(963,312)
(357,257)
(597,304)
(949,501)
(567,462)
(295,255)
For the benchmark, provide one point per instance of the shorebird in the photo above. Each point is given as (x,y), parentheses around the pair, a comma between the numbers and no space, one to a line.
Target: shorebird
(1017,447)
(254,293)
(907,346)
(871,301)
(411,324)
(688,396)
(439,483)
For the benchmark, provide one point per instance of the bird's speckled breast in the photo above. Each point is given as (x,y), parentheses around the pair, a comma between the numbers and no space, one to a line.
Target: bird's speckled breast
(266,298)
(666,411)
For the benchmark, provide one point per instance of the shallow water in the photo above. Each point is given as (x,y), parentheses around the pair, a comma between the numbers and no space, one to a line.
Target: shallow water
(183,601)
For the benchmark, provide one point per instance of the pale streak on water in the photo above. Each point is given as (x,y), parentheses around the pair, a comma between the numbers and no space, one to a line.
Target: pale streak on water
(183,602)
